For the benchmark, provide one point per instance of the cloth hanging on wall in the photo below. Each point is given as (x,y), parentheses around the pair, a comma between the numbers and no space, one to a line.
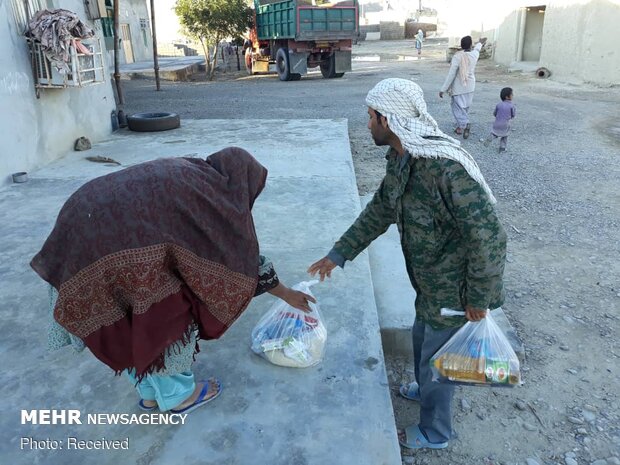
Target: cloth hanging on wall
(56,30)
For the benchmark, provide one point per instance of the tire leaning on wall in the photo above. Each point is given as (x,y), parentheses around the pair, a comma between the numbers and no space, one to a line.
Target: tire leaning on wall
(151,122)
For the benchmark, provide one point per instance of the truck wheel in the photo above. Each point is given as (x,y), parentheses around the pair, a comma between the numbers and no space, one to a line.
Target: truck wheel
(283,65)
(248,60)
(328,68)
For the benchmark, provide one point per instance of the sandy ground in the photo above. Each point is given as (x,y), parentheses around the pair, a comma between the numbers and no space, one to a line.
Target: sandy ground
(559,200)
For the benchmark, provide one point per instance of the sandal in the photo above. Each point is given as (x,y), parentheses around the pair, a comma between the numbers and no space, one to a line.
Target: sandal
(466,131)
(415,439)
(145,407)
(458,131)
(410,391)
(201,399)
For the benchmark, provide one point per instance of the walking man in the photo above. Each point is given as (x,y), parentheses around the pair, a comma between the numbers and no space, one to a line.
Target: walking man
(461,83)
(453,243)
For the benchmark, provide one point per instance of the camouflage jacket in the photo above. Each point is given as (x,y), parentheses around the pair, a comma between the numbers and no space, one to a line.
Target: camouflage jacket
(452,240)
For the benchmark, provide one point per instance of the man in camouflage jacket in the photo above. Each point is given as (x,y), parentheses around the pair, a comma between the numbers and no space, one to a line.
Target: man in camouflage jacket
(453,243)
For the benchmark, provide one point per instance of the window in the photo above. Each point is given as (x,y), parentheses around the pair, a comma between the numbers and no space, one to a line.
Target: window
(107,24)
(23,10)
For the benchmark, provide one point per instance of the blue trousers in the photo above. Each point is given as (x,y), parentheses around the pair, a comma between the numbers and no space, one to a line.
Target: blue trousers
(167,390)
(435,398)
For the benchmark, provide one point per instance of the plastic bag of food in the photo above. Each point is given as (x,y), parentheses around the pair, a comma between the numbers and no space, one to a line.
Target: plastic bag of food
(289,337)
(478,354)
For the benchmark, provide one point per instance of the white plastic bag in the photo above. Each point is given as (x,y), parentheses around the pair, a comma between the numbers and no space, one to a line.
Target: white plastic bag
(479,353)
(289,337)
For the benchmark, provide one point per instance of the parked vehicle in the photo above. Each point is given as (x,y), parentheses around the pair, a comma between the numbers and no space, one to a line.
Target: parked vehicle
(292,36)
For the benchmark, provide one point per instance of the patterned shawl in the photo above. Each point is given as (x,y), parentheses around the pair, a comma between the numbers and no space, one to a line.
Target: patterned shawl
(402,102)
(133,252)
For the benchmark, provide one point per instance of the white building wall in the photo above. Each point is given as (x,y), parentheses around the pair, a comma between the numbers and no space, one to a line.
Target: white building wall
(580,41)
(506,38)
(36,131)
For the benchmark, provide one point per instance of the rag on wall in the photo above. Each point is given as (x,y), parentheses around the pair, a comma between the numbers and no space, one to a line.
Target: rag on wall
(55,30)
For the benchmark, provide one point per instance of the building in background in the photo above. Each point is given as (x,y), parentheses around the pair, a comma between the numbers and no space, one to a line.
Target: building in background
(43,111)
(576,40)
(135,28)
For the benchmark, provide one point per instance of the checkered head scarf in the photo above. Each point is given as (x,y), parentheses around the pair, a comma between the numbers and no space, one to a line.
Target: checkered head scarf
(401,101)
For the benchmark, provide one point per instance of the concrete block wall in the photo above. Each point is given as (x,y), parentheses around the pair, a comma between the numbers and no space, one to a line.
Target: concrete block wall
(392,30)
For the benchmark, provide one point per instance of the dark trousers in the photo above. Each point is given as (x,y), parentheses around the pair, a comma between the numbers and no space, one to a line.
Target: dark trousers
(503,140)
(436,398)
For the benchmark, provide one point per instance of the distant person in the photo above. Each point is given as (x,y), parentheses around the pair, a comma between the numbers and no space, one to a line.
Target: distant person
(451,238)
(504,112)
(461,83)
(145,261)
(419,40)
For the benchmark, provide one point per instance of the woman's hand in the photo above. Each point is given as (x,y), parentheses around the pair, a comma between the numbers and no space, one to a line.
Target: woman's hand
(324,267)
(299,300)
(295,299)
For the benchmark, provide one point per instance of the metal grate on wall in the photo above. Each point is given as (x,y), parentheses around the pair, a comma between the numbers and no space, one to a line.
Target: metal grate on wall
(25,9)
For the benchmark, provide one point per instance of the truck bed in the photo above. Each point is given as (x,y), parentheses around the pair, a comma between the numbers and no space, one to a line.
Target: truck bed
(300,20)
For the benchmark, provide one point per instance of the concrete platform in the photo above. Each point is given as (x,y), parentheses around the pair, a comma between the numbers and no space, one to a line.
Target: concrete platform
(395,296)
(170,68)
(338,412)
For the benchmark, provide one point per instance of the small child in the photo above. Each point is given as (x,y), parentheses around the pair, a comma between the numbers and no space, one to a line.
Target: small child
(504,112)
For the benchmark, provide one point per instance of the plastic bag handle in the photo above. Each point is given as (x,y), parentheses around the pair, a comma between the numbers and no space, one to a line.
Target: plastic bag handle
(450,312)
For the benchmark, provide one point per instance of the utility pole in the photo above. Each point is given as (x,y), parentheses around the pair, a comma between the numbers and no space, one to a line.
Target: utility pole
(122,119)
(155,59)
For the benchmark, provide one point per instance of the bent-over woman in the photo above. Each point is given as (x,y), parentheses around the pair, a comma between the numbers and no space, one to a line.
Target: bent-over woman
(144,262)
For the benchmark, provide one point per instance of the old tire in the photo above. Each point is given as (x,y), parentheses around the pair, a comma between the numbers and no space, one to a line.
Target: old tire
(283,65)
(151,122)
(328,68)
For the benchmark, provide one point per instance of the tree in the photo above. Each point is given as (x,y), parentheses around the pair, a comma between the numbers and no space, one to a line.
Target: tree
(211,21)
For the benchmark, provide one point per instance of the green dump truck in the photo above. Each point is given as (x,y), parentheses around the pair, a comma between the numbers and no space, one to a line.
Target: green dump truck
(292,36)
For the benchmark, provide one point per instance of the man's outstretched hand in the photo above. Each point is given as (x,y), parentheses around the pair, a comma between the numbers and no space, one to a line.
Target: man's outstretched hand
(324,267)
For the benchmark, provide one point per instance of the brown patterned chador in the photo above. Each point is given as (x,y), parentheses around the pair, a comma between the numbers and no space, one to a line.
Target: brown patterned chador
(147,260)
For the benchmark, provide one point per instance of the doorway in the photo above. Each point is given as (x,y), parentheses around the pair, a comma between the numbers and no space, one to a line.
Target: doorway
(126,41)
(533,34)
